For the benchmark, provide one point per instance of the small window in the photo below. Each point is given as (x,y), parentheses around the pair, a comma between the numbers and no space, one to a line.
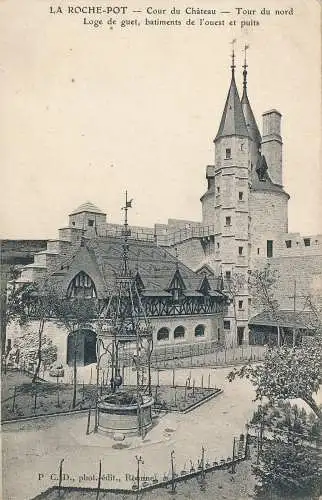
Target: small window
(218,245)
(240,250)
(307,242)
(200,331)
(179,332)
(249,302)
(227,325)
(163,334)
(257,251)
(228,153)
(218,189)
(73,223)
(228,275)
(288,243)
(269,248)
(91,222)
(228,221)
(240,195)
(240,304)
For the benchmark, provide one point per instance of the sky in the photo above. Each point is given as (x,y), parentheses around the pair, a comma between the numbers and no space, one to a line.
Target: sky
(90,112)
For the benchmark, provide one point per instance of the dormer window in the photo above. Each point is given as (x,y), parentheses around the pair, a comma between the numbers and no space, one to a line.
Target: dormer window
(228,153)
(91,222)
(176,286)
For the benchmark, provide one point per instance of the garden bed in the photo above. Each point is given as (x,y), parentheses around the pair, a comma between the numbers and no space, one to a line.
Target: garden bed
(22,399)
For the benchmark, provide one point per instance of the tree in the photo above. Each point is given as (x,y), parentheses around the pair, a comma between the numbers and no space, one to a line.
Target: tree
(286,373)
(262,285)
(287,464)
(75,314)
(26,348)
(42,301)
(13,299)
(287,470)
(233,287)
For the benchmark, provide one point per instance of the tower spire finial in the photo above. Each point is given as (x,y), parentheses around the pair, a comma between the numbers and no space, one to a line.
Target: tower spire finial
(245,67)
(233,57)
(126,233)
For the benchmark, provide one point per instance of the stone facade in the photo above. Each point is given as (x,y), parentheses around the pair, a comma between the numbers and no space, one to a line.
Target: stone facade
(244,223)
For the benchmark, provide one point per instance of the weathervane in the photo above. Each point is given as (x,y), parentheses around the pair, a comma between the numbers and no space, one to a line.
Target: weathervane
(245,66)
(233,55)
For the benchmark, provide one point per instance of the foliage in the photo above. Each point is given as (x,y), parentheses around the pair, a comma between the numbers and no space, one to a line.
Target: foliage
(262,285)
(75,313)
(285,373)
(287,470)
(26,348)
(288,422)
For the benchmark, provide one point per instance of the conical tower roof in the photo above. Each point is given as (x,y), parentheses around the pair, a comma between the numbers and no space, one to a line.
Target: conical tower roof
(233,120)
(248,113)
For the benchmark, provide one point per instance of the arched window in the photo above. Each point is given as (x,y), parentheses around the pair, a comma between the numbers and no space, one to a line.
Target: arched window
(179,332)
(200,331)
(163,334)
(82,286)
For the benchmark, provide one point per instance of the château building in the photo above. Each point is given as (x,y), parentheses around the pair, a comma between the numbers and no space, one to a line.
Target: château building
(185,270)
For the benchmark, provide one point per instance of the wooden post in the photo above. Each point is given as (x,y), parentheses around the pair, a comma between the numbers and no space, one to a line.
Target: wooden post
(35,401)
(233,466)
(14,398)
(83,392)
(173,377)
(60,480)
(185,391)
(203,463)
(258,447)
(139,461)
(208,380)
(90,378)
(173,484)
(158,377)
(57,382)
(88,421)
(99,481)
(193,387)
(201,381)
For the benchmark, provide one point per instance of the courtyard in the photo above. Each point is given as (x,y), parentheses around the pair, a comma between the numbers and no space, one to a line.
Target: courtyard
(33,449)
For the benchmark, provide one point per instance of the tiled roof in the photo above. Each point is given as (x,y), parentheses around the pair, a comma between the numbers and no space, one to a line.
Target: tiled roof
(87,207)
(250,119)
(233,120)
(287,319)
(155,265)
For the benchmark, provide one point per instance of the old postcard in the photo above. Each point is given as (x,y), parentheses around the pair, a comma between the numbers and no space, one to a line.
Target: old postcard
(161,249)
